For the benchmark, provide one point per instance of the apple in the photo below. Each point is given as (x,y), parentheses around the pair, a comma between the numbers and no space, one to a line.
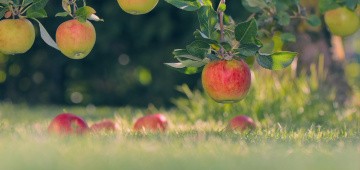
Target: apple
(154,122)
(226,80)
(16,36)
(241,123)
(67,123)
(105,125)
(342,21)
(75,39)
(137,7)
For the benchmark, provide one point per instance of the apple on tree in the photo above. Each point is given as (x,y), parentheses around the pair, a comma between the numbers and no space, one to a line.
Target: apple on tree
(17,33)
(67,123)
(342,21)
(75,38)
(222,47)
(226,81)
(153,122)
(137,7)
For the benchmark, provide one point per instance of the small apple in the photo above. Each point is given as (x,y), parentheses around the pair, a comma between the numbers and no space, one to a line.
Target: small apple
(154,122)
(16,36)
(105,125)
(241,123)
(342,21)
(137,7)
(226,80)
(75,39)
(67,123)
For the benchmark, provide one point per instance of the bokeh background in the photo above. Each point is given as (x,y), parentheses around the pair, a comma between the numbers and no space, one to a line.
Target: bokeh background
(125,66)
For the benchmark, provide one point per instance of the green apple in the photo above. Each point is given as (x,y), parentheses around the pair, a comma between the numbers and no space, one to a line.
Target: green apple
(342,21)
(226,80)
(137,7)
(75,39)
(16,36)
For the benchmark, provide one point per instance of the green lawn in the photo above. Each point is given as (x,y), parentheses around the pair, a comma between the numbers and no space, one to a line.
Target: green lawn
(298,128)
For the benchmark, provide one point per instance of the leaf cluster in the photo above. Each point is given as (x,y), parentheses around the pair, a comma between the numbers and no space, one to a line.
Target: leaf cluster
(214,41)
(23,8)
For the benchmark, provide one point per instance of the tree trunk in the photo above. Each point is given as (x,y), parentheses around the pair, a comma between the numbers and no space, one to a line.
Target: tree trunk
(310,46)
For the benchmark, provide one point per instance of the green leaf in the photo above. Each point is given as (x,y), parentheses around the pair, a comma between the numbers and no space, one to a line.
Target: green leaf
(283,18)
(202,37)
(288,37)
(222,7)
(226,46)
(351,3)
(246,32)
(182,69)
(2,12)
(325,5)
(248,50)
(254,5)
(205,3)
(198,48)
(27,2)
(276,61)
(4,1)
(84,12)
(178,52)
(62,14)
(212,56)
(187,5)
(208,19)
(66,6)
(36,14)
(314,20)
(38,5)
(192,63)
(45,36)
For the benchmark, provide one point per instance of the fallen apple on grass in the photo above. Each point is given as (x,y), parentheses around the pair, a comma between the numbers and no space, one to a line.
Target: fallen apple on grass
(226,80)
(241,123)
(75,39)
(154,122)
(16,36)
(67,123)
(104,126)
(137,7)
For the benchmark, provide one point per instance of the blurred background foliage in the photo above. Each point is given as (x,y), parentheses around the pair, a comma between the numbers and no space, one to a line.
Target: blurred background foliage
(124,68)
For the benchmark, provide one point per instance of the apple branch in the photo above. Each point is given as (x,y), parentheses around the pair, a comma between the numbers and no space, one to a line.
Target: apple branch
(220,12)
(221,18)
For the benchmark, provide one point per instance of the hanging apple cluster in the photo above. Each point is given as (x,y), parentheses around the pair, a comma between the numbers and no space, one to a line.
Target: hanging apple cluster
(75,43)
(221,50)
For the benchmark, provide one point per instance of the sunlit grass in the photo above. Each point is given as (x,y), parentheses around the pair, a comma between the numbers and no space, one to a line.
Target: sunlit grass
(299,127)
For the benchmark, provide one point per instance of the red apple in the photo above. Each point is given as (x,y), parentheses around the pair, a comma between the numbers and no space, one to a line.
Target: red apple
(105,125)
(226,80)
(154,122)
(241,123)
(75,39)
(67,123)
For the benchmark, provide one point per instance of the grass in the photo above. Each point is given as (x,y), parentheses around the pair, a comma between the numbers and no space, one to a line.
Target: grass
(299,127)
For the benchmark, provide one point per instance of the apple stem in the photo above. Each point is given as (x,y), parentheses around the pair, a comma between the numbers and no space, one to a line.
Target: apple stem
(84,2)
